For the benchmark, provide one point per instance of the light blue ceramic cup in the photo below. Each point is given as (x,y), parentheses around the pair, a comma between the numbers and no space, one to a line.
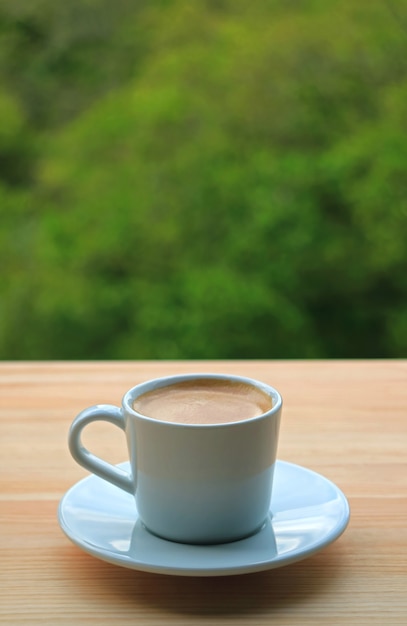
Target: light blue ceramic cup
(193,483)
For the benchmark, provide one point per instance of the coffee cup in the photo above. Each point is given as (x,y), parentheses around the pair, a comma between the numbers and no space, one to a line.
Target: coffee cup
(202,450)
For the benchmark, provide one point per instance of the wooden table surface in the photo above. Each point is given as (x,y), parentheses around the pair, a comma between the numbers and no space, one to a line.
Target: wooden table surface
(344,419)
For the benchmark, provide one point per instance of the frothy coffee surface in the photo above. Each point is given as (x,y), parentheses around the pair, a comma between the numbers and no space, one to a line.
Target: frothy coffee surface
(203,401)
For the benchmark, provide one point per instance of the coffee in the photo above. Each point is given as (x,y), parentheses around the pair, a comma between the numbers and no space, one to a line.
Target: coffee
(204,401)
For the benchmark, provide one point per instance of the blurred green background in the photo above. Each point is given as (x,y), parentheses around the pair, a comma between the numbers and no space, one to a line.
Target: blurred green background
(206,179)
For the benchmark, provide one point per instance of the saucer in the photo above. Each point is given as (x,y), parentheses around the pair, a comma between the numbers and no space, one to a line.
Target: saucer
(307,513)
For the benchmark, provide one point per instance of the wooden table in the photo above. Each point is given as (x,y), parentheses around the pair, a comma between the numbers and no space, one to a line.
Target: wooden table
(344,419)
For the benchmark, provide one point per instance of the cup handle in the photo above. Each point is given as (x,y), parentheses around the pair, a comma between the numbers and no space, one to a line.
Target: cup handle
(107,471)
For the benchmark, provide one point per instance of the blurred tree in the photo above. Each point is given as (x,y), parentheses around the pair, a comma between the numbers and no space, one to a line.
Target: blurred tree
(240,194)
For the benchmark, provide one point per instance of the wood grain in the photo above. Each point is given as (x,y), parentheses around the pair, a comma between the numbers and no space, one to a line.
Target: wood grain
(344,419)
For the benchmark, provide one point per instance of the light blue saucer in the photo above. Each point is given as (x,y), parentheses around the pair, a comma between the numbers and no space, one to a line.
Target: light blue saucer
(308,512)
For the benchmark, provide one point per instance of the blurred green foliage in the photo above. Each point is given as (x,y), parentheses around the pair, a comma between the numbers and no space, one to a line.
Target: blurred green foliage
(203,180)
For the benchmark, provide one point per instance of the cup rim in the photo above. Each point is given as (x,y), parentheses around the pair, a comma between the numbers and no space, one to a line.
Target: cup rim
(166,381)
